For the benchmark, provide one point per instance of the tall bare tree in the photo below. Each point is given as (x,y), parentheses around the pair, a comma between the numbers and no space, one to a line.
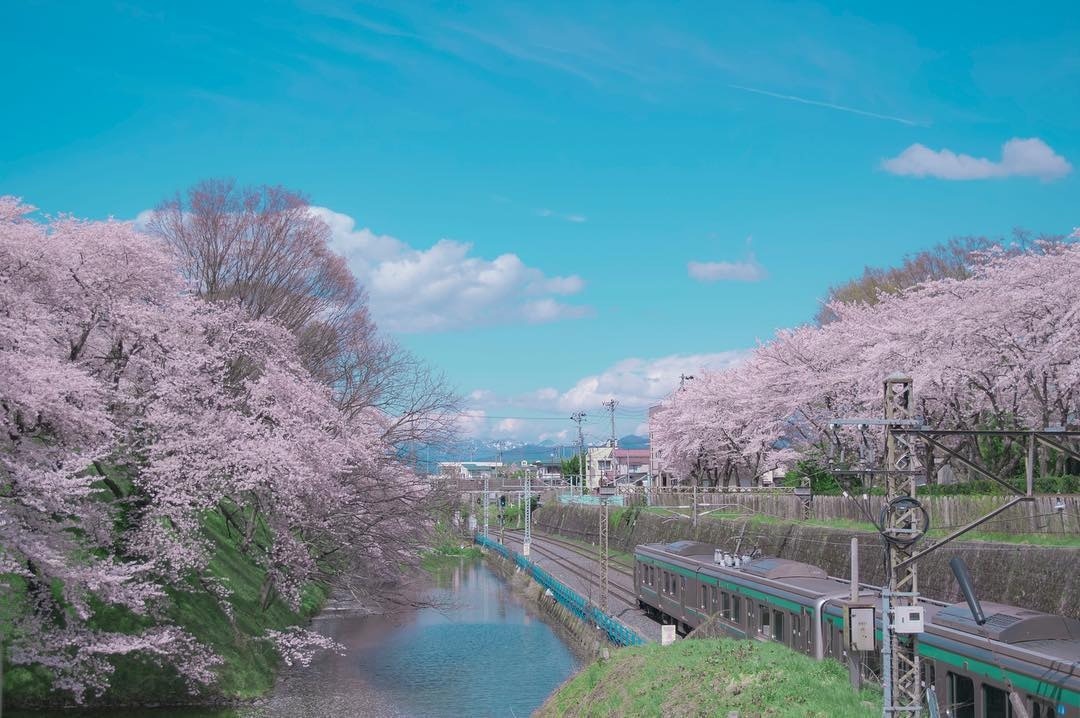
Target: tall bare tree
(263,248)
(951,260)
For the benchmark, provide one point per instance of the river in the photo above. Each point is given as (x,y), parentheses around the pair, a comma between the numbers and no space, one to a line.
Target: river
(474,648)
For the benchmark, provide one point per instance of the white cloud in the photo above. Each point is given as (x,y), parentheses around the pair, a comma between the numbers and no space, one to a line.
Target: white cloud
(559,437)
(545,413)
(546,394)
(1019,158)
(481,395)
(549,310)
(747,270)
(445,286)
(507,427)
(572,217)
(640,382)
(472,422)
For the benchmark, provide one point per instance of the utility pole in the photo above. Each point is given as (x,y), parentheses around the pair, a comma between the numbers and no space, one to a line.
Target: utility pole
(605,493)
(900,599)
(527,542)
(487,493)
(683,378)
(579,416)
(610,405)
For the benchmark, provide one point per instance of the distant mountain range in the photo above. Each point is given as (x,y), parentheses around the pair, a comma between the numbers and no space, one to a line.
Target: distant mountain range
(511,451)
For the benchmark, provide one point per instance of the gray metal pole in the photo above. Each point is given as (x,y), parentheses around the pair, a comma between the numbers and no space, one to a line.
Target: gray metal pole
(527,543)
(487,493)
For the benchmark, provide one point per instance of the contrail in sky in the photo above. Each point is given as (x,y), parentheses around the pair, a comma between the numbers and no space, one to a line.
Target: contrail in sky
(842,108)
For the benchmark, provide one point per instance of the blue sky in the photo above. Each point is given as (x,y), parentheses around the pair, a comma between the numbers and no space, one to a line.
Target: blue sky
(561,202)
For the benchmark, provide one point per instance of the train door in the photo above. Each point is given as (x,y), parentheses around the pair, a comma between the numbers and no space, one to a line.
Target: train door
(778,626)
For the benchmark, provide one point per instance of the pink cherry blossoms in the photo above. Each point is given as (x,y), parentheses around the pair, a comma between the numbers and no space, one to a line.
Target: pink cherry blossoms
(997,349)
(123,394)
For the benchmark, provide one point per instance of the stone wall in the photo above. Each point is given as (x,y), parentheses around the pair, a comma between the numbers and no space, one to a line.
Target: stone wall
(1042,578)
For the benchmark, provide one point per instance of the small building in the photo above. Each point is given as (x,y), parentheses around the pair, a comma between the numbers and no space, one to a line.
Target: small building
(611,465)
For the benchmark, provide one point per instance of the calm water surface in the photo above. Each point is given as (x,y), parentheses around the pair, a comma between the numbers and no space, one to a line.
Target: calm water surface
(477,651)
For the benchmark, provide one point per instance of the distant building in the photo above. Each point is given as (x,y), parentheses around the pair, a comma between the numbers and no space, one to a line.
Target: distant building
(632,466)
(660,475)
(598,466)
(468,470)
(616,466)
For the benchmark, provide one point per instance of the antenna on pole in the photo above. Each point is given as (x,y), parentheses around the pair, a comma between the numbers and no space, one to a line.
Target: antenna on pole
(579,416)
(610,405)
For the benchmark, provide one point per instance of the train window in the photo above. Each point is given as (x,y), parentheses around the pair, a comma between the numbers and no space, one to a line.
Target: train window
(763,619)
(713,604)
(736,609)
(778,626)
(682,587)
(703,594)
(996,703)
(725,605)
(1039,709)
(961,700)
(796,629)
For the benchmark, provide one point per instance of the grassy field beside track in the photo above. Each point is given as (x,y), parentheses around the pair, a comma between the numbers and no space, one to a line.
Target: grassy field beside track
(1068,540)
(711,678)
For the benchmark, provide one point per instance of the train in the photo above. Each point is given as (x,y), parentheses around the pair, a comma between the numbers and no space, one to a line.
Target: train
(970,669)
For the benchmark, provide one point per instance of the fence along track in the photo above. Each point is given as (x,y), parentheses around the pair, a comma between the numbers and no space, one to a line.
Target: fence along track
(618,633)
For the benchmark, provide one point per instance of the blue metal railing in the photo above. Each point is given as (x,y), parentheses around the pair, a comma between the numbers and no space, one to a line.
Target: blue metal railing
(616,632)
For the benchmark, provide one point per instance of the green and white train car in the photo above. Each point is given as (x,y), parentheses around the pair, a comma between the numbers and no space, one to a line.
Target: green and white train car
(798,604)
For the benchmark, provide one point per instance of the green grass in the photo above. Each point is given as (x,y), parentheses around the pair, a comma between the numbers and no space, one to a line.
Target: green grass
(1069,540)
(249,664)
(448,553)
(712,677)
(449,547)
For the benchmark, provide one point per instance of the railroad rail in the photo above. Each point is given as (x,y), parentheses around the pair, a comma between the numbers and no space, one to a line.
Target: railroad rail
(592,554)
(624,595)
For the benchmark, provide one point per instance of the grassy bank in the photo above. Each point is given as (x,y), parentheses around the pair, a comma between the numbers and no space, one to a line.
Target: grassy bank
(1068,540)
(448,546)
(711,677)
(249,665)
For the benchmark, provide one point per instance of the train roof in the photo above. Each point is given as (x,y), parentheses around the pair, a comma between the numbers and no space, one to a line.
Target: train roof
(1010,624)
(782,568)
(765,567)
(690,548)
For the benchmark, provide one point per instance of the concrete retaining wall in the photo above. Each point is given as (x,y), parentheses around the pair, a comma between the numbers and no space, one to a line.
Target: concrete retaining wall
(1042,578)
(586,637)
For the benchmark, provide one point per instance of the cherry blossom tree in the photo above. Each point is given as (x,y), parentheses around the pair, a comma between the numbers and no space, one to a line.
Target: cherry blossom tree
(125,396)
(996,348)
(77,308)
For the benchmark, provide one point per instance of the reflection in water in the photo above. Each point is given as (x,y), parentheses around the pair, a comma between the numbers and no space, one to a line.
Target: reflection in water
(478,651)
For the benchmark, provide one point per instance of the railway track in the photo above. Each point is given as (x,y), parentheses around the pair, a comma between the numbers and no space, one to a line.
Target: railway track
(623,594)
(593,555)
